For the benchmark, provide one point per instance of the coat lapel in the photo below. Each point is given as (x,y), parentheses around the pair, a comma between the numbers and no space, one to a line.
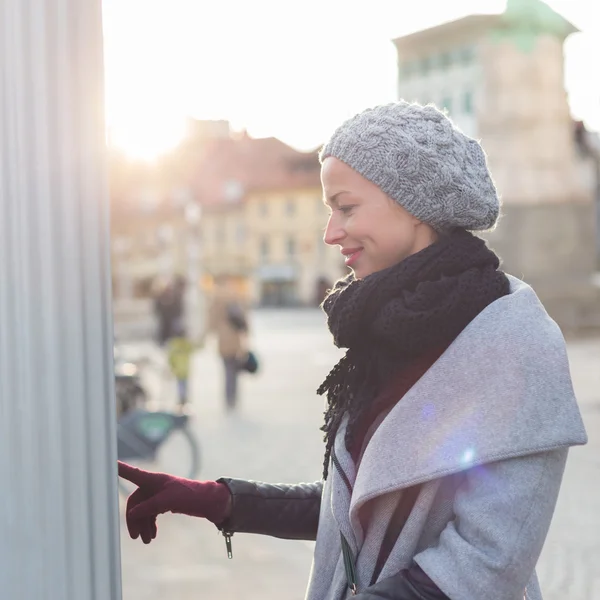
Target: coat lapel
(501,390)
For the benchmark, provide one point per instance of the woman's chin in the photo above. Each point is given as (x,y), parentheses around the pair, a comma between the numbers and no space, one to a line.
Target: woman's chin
(360,273)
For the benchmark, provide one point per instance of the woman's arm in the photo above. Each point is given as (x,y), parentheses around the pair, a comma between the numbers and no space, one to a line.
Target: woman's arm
(288,511)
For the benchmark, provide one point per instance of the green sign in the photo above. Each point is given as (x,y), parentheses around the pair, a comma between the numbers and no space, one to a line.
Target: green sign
(155,426)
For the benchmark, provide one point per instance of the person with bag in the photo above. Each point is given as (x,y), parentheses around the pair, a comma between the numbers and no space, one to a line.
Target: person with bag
(449,418)
(228,320)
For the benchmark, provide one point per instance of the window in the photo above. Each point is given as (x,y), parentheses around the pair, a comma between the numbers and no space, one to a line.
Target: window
(291,247)
(264,248)
(142,288)
(290,207)
(468,102)
(240,234)
(466,54)
(425,65)
(219,234)
(406,69)
(445,60)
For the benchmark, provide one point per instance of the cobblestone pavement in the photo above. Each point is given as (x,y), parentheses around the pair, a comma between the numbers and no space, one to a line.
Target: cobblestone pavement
(275,436)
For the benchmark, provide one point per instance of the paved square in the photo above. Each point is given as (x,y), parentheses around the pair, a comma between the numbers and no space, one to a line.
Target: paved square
(275,437)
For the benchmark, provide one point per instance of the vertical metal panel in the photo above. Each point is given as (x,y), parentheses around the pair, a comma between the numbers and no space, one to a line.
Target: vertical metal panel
(58,500)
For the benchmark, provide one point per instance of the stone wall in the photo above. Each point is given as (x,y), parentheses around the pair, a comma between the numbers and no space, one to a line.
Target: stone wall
(551,247)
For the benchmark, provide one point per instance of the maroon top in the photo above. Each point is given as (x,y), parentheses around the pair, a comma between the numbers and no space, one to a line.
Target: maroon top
(390,396)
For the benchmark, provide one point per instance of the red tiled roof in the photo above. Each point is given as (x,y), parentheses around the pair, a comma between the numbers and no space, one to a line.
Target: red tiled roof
(214,169)
(226,165)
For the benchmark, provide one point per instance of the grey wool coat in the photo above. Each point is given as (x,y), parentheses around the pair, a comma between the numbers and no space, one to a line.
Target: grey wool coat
(486,432)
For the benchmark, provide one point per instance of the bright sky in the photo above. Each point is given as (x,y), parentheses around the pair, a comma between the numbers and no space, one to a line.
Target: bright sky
(289,69)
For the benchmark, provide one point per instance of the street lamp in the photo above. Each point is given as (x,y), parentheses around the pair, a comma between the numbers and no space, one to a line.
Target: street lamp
(193,301)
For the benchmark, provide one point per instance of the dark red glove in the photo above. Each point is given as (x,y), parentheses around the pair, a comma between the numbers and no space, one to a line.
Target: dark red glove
(159,493)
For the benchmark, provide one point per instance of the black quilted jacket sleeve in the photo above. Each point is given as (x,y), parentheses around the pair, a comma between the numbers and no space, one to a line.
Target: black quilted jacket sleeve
(288,511)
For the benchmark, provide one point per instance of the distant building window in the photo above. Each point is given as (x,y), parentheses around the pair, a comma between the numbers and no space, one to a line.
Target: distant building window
(142,288)
(445,60)
(407,69)
(264,248)
(291,247)
(290,206)
(219,234)
(425,65)
(466,55)
(468,102)
(240,234)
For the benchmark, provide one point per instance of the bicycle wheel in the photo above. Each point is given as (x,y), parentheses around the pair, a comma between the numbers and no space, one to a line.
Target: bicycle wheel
(178,455)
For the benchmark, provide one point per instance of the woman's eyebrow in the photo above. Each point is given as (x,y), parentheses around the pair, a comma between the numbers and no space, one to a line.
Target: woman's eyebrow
(333,200)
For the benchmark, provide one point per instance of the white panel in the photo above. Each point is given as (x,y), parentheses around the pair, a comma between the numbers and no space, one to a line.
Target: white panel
(59,512)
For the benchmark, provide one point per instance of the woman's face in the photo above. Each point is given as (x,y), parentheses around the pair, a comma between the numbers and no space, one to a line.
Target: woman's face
(372,231)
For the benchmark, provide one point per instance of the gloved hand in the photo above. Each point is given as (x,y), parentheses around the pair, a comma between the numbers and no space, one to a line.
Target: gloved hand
(159,493)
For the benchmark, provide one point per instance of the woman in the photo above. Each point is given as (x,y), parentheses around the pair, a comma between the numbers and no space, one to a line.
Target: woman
(450,416)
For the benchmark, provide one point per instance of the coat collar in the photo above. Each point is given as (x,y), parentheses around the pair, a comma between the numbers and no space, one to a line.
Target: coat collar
(502,389)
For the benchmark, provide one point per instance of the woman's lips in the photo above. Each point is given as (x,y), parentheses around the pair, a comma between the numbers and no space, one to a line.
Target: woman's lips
(352,256)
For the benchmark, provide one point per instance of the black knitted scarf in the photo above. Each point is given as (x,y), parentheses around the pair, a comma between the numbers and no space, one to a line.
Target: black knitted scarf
(393,316)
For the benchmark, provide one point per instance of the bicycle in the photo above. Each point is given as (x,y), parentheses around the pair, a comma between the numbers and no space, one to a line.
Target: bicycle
(152,438)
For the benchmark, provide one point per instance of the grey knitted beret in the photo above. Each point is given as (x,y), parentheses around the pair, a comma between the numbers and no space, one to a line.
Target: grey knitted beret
(422,161)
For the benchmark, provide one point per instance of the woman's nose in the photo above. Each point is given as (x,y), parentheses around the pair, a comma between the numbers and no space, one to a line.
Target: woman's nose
(334,232)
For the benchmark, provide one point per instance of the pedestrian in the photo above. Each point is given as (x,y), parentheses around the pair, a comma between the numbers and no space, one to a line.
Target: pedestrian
(180,350)
(450,416)
(169,309)
(228,321)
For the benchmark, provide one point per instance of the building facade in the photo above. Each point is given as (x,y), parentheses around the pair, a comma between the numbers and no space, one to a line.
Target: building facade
(259,220)
(291,263)
(270,236)
(501,79)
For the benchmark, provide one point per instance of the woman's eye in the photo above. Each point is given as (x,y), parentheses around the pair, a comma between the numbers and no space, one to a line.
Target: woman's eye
(346,209)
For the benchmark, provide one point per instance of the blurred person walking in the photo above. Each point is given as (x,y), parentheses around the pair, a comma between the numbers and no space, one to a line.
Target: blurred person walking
(450,417)
(169,309)
(228,321)
(180,351)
